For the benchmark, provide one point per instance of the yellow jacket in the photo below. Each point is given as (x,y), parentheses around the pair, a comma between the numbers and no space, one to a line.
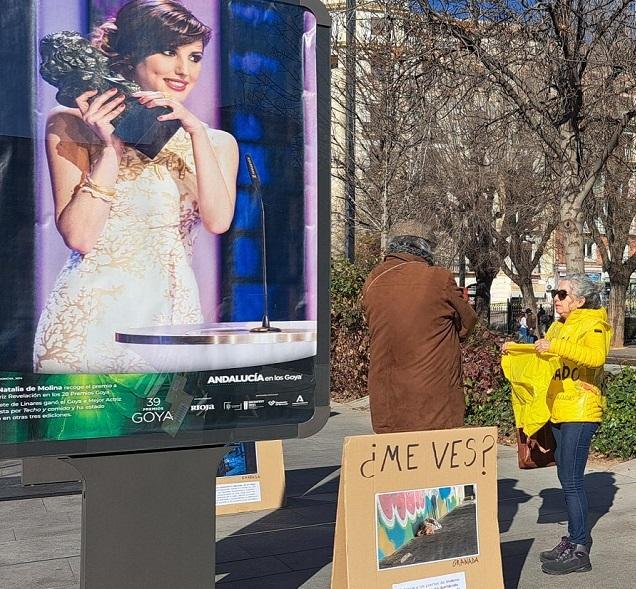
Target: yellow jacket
(581,343)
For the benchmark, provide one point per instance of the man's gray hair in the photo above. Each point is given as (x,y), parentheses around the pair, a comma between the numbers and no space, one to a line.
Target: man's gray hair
(411,244)
(584,287)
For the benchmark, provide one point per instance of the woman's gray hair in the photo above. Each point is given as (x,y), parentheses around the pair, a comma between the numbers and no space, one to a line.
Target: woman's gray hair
(584,287)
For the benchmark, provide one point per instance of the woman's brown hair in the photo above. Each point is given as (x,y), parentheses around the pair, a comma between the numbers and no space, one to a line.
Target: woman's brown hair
(144,27)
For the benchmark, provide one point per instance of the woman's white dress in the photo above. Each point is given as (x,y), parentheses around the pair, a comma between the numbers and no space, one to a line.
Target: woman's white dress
(138,274)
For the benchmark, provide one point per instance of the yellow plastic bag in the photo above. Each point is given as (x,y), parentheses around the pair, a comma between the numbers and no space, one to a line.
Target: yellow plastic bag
(530,375)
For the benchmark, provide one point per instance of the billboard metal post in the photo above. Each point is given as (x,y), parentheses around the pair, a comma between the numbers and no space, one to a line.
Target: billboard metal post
(133,536)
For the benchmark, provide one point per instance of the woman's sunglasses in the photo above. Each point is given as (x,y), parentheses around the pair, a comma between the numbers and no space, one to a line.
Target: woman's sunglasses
(562,294)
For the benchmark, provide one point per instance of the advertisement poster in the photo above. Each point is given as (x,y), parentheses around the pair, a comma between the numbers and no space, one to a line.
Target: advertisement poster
(160,239)
(415,511)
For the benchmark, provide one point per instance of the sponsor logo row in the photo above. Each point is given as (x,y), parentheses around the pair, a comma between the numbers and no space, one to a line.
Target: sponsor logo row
(249,405)
(152,416)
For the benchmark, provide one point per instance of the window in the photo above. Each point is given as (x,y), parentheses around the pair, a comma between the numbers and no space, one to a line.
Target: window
(379,26)
(589,249)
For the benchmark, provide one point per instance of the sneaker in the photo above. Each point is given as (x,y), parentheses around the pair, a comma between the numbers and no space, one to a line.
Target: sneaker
(573,559)
(548,555)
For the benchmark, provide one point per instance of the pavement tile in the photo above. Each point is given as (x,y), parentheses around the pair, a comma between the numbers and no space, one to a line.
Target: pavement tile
(254,568)
(230,549)
(7,535)
(307,559)
(75,563)
(49,574)
(261,521)
(284,541)
(31,530)
(33,506)
(10,470)
(315,514)
(63,504)
(291,580)
(37,549)
(29,512)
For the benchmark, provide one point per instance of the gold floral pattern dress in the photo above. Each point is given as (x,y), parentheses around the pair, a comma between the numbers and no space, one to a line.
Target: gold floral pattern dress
(138,274)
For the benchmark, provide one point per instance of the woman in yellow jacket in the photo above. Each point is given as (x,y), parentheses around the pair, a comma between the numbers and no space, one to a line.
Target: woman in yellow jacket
(581,339)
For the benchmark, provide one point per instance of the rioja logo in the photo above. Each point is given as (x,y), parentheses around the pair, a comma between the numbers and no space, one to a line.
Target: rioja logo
(207,407)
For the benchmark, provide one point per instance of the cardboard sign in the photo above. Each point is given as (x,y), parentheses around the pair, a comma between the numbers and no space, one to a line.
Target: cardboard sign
(418,511)
(260,484)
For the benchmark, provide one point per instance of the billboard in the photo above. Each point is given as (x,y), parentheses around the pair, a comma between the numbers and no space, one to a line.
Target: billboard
(165,198)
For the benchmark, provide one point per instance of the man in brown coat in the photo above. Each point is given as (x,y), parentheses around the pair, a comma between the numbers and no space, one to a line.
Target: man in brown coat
(417,317)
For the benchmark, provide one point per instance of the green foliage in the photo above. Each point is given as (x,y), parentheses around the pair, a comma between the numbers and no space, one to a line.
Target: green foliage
(347,280)
(495,408)
(481,361)
(487,391)
(617,435)
(349,337)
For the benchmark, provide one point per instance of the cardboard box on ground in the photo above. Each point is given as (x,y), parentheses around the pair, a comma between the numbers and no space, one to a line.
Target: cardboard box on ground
(257,488)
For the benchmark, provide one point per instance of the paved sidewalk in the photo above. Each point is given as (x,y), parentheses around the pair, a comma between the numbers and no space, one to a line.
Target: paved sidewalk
(622,356)
(291,547)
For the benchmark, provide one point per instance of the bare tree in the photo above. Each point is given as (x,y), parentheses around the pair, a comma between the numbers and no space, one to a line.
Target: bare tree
(560,65)
(610,218)
(493,194)
(391,113)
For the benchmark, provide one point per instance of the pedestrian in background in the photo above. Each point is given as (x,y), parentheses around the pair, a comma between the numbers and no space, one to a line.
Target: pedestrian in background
(522,333)
(417,317)
(542,321)
(531,323)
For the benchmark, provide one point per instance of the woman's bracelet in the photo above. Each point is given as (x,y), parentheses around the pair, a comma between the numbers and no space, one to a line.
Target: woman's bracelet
(97,191)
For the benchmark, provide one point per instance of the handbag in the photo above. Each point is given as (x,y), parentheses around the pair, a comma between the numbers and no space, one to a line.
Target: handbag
(536,451)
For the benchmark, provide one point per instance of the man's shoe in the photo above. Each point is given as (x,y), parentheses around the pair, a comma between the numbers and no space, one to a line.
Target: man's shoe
(548,555)
(574,559)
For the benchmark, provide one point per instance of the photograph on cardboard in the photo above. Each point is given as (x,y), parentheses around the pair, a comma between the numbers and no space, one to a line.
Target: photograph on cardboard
(426,525)
(239,460)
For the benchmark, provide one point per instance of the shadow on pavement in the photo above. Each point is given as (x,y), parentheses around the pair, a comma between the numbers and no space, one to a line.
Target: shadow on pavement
(513,557)
(510,498)
(513,553)
(601,489)
(287,547)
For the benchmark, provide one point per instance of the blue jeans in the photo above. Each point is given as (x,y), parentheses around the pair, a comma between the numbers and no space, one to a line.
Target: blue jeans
(572,448)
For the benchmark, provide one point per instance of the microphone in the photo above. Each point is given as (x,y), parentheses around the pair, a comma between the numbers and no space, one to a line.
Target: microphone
(265,327)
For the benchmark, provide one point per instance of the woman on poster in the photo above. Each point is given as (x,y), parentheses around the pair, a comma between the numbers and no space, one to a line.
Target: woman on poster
(131,221)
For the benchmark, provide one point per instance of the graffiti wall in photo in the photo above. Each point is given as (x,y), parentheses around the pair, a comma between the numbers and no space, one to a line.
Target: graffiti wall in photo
(404,515)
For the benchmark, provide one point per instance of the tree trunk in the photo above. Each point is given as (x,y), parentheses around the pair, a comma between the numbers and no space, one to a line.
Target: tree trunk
(483,281)
(527,292)
(572,231)
(384,240)
(616,308)
(462,269)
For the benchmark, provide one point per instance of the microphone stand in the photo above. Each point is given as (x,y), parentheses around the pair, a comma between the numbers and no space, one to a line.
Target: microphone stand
(265,326)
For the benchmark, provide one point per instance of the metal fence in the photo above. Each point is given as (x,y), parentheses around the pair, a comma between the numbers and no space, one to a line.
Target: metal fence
(503,316)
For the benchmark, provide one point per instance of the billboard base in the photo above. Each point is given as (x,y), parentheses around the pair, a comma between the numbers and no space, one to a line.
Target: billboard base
(148,519)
